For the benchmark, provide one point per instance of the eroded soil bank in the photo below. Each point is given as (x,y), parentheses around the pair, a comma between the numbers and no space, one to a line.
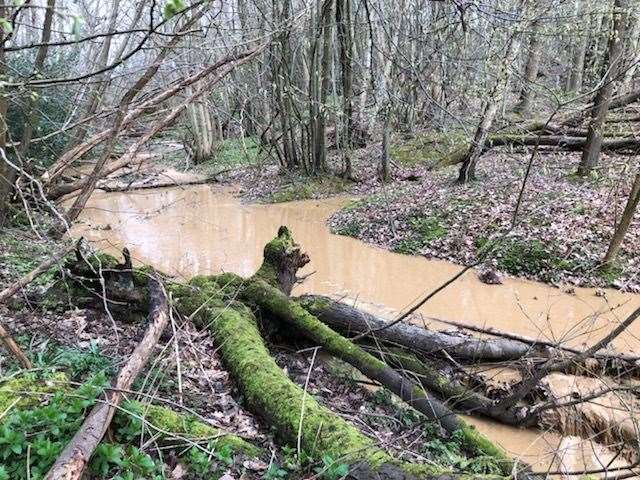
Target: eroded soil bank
(187,231)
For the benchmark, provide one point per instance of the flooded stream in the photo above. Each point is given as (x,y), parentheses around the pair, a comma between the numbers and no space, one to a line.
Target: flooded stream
(201,230)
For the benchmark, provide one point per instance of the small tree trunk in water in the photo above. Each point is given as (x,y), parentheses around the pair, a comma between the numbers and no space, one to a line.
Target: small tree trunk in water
(468,168)
(625,221)
(574,84)
(615,49)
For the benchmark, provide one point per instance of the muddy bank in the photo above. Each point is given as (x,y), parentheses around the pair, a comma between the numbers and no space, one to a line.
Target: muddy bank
(564,226)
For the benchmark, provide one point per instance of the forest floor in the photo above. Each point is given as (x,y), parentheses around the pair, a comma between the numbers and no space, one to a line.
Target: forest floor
(561,233)
(59,335)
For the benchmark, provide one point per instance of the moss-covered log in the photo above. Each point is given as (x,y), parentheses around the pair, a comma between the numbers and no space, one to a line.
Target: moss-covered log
(562,142)
(268,392)
(274,302)
(260,291)
(456,395)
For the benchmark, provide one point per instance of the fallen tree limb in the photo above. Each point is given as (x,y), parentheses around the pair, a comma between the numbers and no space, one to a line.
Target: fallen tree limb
(349,321)
(225,66)
(631,361)
(620,145)
(74,458)
(40,269)
(144,186)
(454,394)
(564,142)
(14,348)
(551,365)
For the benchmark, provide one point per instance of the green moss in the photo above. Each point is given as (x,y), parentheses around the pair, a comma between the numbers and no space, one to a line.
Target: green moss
(33,391)
(266,389)
(314,303)
(423,229)
(237,152)
(431,149)
(197,297)
(308,188)
(28,389)
(170,424)
(610,273)
(349,229)
(141,274)
(518,256)
(477,442)
(298,191)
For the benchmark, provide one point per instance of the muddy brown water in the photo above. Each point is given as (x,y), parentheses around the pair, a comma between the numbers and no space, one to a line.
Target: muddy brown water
(203,230)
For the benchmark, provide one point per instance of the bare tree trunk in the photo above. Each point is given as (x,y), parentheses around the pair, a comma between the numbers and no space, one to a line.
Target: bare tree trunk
(625,221)
(531,69)
(97,89)
(615,49)
(319,86)
(345,38)
(468,168)
(6,171)
(204,131)
(574,83)
(633,47)
(385,174)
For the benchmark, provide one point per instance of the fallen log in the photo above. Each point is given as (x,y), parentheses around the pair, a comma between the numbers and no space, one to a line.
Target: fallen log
(107,187)
(59,190)
(73,460)
(279,256)
(454,394)
(267,391)
(351,321)
(564,142)
(501,347)
(620,145)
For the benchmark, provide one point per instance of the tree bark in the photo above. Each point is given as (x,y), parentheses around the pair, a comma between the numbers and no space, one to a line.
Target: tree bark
(623,226)
(574,83)
(615,50)
(345,40)
(468,168)
(531,69)
(351,321)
